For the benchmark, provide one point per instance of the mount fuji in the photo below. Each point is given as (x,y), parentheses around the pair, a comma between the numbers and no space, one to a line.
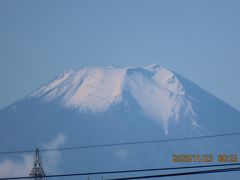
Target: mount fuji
(93,105)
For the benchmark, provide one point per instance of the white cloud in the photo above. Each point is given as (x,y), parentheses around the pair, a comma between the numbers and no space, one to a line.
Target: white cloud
(22,167)
(10,168)
(51,158)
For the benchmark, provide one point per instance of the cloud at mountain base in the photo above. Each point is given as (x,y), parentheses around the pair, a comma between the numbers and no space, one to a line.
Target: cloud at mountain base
(22,167)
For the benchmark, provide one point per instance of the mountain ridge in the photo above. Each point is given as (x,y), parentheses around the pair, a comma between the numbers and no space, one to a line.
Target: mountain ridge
(97,89)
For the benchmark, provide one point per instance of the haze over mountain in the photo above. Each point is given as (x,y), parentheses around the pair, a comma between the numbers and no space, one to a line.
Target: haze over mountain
(94,105)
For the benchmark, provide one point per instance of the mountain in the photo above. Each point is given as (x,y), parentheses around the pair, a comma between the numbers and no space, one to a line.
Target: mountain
(94,105)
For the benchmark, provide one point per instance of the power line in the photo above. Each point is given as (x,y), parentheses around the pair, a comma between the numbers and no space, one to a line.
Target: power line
(131,171)
(180,174)
(121,144)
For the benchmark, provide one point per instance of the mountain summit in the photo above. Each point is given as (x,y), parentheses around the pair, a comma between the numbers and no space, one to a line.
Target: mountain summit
(156,90)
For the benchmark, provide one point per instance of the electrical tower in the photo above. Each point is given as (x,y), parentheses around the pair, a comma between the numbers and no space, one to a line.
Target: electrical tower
(37,172)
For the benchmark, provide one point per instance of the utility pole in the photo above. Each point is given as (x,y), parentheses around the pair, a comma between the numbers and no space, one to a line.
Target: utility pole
(37,172)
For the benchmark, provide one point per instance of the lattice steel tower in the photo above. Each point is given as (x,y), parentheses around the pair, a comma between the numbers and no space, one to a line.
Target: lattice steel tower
(37,172)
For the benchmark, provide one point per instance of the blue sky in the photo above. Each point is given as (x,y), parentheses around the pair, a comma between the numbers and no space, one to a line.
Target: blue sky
(198,39)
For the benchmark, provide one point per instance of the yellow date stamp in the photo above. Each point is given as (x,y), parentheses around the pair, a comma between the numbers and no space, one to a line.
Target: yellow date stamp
(227,158)
(205,158)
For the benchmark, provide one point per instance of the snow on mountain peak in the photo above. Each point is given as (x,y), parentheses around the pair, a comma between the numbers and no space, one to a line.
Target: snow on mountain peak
(157,90)
(89,88)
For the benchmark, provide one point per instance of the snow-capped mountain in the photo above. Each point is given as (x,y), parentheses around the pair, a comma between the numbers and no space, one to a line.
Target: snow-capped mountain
(157,91)
(94,105)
